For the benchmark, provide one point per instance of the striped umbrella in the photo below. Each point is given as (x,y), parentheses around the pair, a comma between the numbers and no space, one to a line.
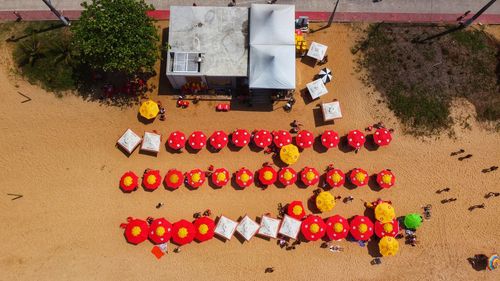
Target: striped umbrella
(326,75)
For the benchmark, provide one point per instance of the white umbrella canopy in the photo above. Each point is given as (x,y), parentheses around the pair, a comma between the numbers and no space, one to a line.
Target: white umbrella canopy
(247,228)
(290,227)
(325,75)
(129,141)
(316,88)
(151,142)
(225,227)
(269,227)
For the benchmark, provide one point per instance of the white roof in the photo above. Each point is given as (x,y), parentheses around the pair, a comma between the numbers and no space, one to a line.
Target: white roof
(272,47)
(129,141)
(225,227)
(272,24)
(269,227)
(151,142)
(316,88)
(317,51)
(290,227)
(247,228)
(331,110)
(272,67)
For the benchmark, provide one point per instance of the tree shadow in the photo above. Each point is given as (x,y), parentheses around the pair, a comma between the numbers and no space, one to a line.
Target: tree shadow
(164,86)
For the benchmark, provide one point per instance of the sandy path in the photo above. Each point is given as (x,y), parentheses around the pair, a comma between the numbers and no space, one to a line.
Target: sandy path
(59,153)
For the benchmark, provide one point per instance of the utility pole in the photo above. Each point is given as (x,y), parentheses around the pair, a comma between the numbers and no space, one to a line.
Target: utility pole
(64,20)
(458,27)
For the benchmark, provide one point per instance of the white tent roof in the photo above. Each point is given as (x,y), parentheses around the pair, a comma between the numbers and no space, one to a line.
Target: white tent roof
(272,24)
(247,228)
(225,227)
(272,66)
(151,142)
(290,227)
(129,140)
(269,227)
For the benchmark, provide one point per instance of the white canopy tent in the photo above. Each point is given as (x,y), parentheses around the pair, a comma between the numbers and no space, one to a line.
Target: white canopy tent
(247,228)
(272,67)
(269,227)
(151,142)
(272,47)
(225,227)
(129,141)
(290,227)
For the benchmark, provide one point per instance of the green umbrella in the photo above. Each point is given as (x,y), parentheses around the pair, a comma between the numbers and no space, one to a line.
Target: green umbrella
(412,221)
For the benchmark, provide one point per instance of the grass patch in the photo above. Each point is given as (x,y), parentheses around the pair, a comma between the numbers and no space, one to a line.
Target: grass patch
(45,56)
(419,81)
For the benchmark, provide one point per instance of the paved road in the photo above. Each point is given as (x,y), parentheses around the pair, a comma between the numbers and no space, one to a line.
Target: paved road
(398,10)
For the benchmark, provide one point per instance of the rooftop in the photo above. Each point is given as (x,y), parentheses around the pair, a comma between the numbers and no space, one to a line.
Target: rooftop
(219,33)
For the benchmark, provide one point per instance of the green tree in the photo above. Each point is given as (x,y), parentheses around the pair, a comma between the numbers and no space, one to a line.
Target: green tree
(117,36)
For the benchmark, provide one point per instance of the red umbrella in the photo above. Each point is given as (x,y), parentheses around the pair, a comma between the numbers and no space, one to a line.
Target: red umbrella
(330,139)
(197,140)
(359,177)
(304,139)
(244,177)
(267,175)
(296,210)
(136,231)
(220,177)
(386,179)
(195,178)
(361,228)
(356,139)
(262,138)
(173,179)
(281,138)
(160,231)
(382,137)
(218,140)
(309,176)
(287,176)
(337,227)
(176,140)
(183,232)
(387,229)
(151,179)
(240,137)
(313,228)
(335,177)
(128,182)
(204,229)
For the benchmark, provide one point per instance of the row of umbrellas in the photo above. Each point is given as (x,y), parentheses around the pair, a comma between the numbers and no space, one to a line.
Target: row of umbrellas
(244,177)
(293,223)
(264,138)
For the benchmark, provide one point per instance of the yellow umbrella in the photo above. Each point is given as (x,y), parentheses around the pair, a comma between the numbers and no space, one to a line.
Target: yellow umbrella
(149,109)
(289,154)
(384,212)
(388,246)
(325,201)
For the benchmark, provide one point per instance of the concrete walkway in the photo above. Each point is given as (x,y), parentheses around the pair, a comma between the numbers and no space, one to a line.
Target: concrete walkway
(347,10)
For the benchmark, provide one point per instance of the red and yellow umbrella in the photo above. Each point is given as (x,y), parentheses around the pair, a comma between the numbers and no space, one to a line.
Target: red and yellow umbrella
(136,231)
(356,139)
(309,176)
(386,179)
(337,227)
(287,176)
(296,210)
(335,177)
(128,182)
(382,137)
(218,140)
(160,231)
(244,177)
(197,140)
(195,178)
(330,139)
(359,177)
(183,232)
(176,140)
(262,138)
(240,137)
(313,228)
(220,177)
(387,229)
(204,229)
(173,179)
(151,179)
(267,175)
(304,139)
(281,138)
(361,228)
